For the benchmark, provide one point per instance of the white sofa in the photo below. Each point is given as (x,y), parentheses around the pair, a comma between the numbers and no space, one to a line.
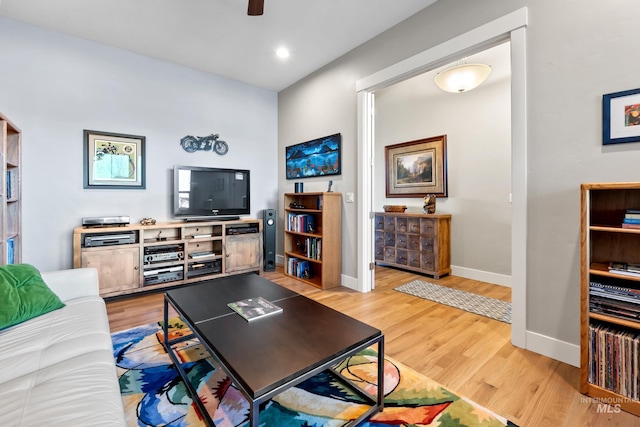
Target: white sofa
(58,369)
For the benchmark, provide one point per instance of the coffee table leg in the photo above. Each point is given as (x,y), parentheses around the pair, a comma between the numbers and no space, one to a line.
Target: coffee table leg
(381,374)
(165,328)
(254,413)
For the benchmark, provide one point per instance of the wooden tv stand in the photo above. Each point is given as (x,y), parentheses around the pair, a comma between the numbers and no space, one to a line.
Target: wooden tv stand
(137,258)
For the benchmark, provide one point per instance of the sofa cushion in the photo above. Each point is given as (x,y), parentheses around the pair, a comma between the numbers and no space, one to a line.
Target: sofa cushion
(79,391)
(79,328)
(24,295)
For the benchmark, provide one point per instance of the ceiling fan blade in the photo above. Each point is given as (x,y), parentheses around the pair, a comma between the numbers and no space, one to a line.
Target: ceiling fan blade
(256,7)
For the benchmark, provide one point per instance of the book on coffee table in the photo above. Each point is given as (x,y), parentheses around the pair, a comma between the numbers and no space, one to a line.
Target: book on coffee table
(254,308)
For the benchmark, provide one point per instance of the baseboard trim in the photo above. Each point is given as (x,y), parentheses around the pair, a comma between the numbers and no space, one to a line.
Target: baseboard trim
(350,282)
(483,276)
(553,348)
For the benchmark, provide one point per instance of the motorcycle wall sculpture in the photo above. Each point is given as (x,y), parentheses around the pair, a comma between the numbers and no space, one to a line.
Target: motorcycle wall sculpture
(191,144)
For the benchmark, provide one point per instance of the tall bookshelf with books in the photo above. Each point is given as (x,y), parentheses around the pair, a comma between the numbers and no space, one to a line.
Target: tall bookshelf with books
(11,210)
(312,242)
(610,294)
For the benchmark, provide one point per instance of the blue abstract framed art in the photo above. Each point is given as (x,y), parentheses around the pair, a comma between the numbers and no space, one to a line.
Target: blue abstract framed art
(318,157)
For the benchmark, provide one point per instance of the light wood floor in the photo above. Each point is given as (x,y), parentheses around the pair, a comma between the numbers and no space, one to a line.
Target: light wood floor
(468,354)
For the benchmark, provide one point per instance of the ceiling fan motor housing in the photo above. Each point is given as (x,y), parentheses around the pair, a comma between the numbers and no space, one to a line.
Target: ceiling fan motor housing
(256,7)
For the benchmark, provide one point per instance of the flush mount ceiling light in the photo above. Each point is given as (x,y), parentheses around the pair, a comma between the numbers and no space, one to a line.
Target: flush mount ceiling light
(282,53)
(462,78)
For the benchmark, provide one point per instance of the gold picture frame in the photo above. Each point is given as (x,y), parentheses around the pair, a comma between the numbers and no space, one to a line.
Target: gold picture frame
(114,160)
(417,168)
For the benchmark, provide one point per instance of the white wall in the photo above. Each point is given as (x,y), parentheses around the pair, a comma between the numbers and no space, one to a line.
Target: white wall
(575,54)
(478,125)
(53,86)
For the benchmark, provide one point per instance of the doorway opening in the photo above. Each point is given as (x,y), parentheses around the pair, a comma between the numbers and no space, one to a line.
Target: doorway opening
(508,28)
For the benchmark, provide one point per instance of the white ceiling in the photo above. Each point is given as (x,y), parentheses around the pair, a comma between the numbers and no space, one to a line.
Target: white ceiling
(217,36)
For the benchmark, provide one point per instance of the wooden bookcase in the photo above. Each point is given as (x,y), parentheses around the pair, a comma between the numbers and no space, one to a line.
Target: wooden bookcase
(11,190)
(416,242)
(312,238)
(168,254)
(609,343)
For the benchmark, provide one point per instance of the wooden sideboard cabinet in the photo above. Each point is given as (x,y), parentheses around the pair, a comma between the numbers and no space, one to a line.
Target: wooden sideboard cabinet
(151,257)
(416,242)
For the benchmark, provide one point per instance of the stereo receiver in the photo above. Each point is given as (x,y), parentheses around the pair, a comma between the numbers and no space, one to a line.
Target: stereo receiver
(163,253)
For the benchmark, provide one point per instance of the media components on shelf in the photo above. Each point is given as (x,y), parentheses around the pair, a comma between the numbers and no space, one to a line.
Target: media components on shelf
(108,239)
(163,253)
(106,221)
(163,275)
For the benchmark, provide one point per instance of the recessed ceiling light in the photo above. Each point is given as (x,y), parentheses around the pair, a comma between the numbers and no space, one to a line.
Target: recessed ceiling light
(282,52)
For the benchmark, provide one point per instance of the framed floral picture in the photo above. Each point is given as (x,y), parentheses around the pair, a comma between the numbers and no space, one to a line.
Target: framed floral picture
(113,160)
(417,168)
(621,117)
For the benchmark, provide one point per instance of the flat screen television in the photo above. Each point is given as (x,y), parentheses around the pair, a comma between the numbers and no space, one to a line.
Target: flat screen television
(215,193)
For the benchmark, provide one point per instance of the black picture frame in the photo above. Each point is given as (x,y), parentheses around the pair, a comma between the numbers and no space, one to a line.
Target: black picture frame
(114,160)
(315,158)
(621,117)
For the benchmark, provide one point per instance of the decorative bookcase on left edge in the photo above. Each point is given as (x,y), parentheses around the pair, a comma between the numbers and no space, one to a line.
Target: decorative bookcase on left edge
(11,190)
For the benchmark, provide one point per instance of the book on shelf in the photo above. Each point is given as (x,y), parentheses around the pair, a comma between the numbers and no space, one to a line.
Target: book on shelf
(311,247)
(632,216)
(8,185)
(632,211)
(11,251)
(254,308)
(631,226)
(626,269)
(301,223)
(299,268)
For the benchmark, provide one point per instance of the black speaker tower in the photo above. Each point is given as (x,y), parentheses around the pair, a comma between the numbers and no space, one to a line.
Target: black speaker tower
(269,239)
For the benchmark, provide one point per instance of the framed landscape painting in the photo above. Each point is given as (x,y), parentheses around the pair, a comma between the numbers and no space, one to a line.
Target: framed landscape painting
(318,157)
(417,168)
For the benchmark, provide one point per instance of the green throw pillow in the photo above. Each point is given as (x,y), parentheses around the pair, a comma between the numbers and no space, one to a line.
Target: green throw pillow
(24,295)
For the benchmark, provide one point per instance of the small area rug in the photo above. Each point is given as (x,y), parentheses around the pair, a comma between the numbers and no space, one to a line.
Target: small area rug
(154,395)
(477,304)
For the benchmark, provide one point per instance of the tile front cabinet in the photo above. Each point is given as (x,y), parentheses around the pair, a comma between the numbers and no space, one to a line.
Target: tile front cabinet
(417,242)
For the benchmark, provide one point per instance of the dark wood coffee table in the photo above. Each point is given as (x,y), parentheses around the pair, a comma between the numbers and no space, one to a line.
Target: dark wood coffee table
(266,356)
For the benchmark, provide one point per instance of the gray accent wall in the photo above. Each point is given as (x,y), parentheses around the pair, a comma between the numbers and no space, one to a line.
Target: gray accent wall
(576,52)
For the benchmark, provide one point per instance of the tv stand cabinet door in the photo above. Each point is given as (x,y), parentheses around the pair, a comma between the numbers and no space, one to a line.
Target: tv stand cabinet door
(243,253)
(118,268)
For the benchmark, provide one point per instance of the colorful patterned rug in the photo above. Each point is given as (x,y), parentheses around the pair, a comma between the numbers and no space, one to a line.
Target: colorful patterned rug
(477,304)
(154,395)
